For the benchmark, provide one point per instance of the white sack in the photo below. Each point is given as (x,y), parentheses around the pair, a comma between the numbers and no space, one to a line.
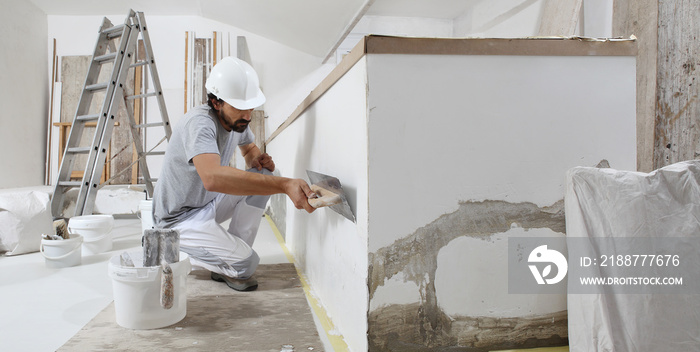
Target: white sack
(24,217)
(612,203)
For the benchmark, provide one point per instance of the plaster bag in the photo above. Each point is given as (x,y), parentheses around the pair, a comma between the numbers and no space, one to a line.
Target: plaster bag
(24,217)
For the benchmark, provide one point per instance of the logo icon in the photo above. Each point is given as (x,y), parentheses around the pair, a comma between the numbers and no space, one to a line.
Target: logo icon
(543,255)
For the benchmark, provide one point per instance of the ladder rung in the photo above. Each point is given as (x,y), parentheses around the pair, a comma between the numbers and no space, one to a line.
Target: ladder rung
(140,63)
(96,87)
(88,117)
(114,31)
(106,57)
(78,150)
(155,153)
(147,125)
(140,96)
(70,183)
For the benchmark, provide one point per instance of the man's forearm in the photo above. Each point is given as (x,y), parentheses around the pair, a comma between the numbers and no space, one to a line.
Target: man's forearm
(250,154)
(230,180)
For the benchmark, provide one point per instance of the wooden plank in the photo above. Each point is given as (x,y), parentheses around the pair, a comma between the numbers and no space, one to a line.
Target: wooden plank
(138,88)
(501,46)
(242,49)
(187,50)
(213,61)
(121,142)
(560,17)
(339,71)
(257,126)
(640,18)
(678,114)
(199,72)
(73,72)
(49,132)
(63,130)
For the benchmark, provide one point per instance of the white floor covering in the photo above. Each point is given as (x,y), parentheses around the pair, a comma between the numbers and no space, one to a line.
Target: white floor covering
(42,308)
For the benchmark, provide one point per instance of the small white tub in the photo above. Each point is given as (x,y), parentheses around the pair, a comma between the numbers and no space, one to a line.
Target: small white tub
(62,253)
(96,231)
(137,292)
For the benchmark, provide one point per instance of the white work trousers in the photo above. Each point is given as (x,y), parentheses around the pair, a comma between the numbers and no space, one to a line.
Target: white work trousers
(228,252)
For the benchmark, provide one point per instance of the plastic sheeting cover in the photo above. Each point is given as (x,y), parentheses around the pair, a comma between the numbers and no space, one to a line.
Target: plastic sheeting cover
(24,217)
(612,203)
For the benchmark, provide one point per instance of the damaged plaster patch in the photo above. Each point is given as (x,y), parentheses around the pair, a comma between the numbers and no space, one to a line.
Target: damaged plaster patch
(416,256)
(396,290)
(397,329)
(472,278)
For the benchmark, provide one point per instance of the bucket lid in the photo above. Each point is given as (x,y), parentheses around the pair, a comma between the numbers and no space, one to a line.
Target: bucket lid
(91,221)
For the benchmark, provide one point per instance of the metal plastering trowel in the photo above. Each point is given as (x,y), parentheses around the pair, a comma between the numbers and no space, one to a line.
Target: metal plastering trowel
(330,194)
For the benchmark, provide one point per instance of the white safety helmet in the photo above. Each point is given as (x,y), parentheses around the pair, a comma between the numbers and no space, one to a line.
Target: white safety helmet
(235,82)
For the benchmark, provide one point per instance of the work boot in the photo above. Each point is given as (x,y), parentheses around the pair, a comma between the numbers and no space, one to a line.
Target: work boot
(249,284)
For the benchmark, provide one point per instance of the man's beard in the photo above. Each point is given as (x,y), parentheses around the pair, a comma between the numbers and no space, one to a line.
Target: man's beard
(237,126)
(240,125)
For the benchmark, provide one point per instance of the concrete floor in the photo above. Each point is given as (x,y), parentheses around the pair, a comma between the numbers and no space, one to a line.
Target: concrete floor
(42,308)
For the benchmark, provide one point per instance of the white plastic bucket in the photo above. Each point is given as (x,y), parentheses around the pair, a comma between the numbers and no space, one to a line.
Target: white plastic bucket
(146,210)
(62,253)
(137,292)
(96,231)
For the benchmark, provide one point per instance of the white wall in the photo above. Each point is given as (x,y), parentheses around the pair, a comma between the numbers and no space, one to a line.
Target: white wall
(484,19)
(24,94)
(500,19)
(286,74)
(499,118)
(445,131)
(597,18)
(331,138)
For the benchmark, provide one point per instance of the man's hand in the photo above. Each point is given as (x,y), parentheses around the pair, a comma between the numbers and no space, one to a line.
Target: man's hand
(263,161)
(299,192)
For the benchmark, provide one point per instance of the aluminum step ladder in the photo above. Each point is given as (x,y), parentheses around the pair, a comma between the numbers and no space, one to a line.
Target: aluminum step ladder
(116,45)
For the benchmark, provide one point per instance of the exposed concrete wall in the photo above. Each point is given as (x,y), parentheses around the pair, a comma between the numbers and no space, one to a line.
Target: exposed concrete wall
(24,94)
(465,152)
(330,137)
(677,127)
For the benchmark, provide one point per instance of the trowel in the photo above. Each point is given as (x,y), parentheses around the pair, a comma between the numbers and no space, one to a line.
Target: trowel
(330,194)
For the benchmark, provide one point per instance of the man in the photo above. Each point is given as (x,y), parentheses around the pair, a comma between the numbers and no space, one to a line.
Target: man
(197,190)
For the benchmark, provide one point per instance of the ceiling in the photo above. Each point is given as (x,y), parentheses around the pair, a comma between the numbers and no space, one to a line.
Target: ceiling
(312,26)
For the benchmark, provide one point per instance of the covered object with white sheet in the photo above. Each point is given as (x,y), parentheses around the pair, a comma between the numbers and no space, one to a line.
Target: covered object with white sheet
(604,204)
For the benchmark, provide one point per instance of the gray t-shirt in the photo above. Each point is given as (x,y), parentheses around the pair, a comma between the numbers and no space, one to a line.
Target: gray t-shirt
(179,189)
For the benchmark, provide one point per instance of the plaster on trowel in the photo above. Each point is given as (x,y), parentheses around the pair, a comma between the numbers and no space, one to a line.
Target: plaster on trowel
(329,194)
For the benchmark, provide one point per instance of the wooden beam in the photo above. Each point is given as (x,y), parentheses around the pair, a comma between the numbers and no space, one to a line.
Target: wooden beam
(640,18)
(339,71)
(677,128)
(560,17)
(500,46)
(138,88)
(214,45)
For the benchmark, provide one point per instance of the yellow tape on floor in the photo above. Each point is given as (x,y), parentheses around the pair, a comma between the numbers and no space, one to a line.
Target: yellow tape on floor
(542,349)
(336,341)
